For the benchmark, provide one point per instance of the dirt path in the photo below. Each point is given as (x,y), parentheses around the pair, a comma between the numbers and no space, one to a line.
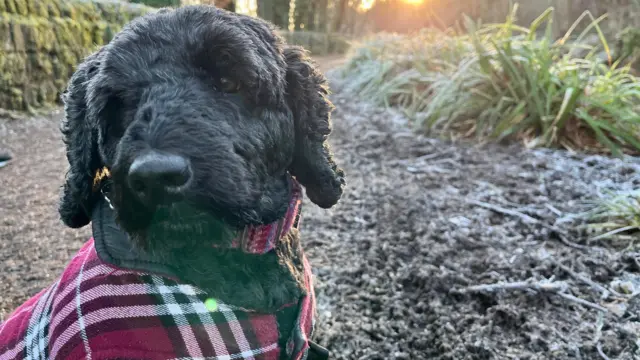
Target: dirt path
(415,224)
(412,226)
(34,245)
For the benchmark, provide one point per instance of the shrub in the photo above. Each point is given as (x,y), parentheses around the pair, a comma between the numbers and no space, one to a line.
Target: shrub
(505,82)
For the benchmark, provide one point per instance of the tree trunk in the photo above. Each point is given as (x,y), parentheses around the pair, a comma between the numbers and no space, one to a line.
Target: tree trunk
(340,15)
(352,20)
(229,5)
(281,13)
(322,7)
(304,15)
(311,16)
(265,9)
(275,11)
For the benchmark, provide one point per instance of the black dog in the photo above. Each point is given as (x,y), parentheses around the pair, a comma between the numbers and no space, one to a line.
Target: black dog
(194,124)
(199,114)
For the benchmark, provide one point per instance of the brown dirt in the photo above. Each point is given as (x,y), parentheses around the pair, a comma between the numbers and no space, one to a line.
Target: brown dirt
(34,245)
(412,230)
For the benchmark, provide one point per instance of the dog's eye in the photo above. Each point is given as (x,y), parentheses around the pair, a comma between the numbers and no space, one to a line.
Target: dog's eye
(228,85)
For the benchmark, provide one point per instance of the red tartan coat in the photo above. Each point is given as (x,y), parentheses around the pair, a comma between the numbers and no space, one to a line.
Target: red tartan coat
(96,310)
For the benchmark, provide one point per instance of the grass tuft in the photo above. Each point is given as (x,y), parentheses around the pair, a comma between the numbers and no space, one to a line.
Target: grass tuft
(616,215)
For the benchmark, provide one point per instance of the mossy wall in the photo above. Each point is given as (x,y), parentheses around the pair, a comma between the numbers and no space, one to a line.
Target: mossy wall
(41,42)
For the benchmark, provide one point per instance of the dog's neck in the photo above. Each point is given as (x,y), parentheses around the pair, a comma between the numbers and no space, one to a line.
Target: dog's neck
(114,245)
(263,238)
(263,273)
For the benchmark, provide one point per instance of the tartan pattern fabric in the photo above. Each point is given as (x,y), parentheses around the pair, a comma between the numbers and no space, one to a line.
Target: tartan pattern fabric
(96,311)
(262,239)
(298,344)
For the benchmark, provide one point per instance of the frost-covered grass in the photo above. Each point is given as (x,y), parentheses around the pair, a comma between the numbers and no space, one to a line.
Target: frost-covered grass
(505,82)
(616,214)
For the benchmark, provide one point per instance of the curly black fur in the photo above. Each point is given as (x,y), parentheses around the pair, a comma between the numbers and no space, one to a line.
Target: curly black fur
(158,85)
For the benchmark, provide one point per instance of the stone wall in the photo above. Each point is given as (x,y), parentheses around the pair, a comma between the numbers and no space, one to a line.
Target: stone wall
(41,41)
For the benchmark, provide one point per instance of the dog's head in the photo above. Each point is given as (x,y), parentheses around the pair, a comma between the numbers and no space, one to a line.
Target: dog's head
(198,114)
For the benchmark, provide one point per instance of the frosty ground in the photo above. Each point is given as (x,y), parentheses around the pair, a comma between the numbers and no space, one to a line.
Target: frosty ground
(436,251)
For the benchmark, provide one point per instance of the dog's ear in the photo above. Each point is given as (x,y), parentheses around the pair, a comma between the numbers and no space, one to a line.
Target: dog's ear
(313,164)
(80,137)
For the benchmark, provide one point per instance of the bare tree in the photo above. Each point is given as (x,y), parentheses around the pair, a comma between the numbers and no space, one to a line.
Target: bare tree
(340,15)
(305,15)
(281,13)
(276,11)
(323,14)
(265,9)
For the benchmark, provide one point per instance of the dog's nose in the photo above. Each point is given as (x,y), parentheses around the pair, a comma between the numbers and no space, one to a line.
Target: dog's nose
(159,174)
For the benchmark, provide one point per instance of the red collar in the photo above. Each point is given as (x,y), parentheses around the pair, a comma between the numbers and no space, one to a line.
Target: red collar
(261,239)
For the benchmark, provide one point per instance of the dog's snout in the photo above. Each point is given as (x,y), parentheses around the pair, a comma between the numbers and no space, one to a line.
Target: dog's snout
(157,174)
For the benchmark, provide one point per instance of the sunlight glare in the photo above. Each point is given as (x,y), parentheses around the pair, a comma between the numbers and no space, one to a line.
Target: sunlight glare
(368,4)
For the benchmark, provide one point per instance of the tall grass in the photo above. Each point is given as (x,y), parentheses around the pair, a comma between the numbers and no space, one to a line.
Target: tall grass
(504,82)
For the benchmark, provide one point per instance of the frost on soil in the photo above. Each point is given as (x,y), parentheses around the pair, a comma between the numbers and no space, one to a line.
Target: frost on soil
(445,251)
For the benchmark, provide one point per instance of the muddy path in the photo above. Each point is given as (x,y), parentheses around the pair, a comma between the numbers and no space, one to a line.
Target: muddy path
(422,225)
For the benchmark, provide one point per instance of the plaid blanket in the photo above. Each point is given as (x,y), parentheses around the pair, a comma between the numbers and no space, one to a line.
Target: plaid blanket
(96,311)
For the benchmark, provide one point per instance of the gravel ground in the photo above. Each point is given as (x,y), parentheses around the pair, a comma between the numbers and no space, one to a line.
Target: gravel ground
(407,262)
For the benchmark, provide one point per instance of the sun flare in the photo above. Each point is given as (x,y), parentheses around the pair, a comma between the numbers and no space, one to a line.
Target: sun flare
(368,4)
